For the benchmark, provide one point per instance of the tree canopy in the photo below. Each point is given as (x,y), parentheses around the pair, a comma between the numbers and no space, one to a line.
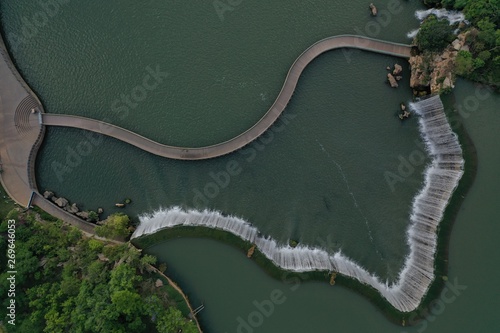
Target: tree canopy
(434,34)
(74,284)
(482,61)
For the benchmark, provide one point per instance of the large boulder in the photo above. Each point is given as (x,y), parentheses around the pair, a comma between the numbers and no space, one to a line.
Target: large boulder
(73,209)
(83,215)
(418,79)
(392,81)
(397,69)
(456,44)
(48,195)
(61,202)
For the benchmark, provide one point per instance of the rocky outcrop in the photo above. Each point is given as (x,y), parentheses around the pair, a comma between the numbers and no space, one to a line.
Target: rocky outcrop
(83,215)
(435,72)
(251,251)
(61,202)
(73,209)
(158,283)
(392,81)
(102,257)
(397,70)
(48,195)
(373,10)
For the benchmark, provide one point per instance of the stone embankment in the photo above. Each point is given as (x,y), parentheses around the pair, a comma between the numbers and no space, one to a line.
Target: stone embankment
(434,72)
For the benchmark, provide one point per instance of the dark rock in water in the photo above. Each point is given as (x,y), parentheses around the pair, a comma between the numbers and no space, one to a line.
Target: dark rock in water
(404,115)
(373,9)
(392,81)
(397,69)
(398,78)
(61,202)
(73,209)
(83,215)
(403,107)
(48,194)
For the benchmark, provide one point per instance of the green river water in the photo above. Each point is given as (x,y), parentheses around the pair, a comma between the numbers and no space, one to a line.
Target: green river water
(320,180)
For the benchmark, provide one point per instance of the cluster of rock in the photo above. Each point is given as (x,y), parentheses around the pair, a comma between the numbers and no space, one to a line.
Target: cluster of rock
(72,209)
(395,75)
(404,113)
(434,73)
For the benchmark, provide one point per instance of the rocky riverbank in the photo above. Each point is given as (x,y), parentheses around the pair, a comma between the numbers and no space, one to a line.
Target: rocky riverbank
(434,73)
(89,216)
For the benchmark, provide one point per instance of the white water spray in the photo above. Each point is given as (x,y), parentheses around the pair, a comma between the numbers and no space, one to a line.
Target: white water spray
(441,179)
(451,15)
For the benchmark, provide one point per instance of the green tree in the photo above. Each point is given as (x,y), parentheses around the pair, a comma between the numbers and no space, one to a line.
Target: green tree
(115,225)
(464,63)
(93,216)
(128,302)
(434,34)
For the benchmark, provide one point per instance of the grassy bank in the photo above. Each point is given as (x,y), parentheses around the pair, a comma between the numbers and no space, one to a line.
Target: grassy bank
(6,203)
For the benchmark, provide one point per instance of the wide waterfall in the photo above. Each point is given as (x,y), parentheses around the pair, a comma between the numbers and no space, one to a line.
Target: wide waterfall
(441,179)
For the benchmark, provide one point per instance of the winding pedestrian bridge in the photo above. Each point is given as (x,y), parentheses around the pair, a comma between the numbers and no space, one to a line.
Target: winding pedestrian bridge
(279,105)
(23,121)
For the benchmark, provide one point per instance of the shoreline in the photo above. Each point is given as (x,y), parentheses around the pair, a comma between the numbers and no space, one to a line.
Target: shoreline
(31,184)
(443,235)
(260,127)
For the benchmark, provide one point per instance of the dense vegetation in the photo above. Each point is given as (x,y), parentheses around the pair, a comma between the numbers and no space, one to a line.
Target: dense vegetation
(68,283)
(434,35)
(482,61)
(115,226)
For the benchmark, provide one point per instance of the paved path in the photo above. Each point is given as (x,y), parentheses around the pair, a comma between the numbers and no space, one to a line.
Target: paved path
(21,135)
(279,105)
(20,131)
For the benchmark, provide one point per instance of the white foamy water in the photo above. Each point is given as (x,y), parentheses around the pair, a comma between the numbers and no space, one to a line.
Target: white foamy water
(412,34)
(414,279)
(452,16)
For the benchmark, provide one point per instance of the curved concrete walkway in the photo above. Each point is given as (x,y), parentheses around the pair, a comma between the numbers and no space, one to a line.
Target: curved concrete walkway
(279,105)
(20,131)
